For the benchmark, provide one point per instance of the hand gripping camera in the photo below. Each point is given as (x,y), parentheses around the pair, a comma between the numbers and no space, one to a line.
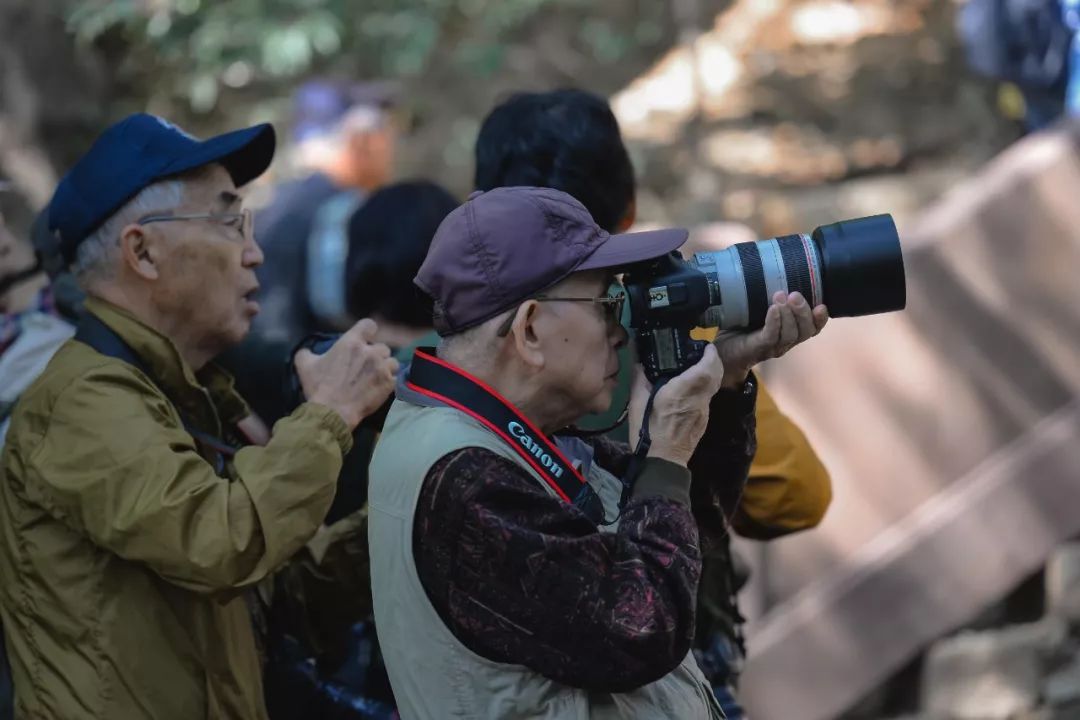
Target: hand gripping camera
(855,267)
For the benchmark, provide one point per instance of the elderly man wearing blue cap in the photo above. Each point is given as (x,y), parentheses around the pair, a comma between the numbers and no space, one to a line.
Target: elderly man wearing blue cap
(132,516)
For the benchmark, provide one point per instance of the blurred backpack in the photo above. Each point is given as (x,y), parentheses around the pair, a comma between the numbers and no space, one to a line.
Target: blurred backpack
(1025,42)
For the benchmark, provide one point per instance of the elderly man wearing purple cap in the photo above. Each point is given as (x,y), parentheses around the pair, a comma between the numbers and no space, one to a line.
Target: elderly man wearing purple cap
(132,517)
(522,572)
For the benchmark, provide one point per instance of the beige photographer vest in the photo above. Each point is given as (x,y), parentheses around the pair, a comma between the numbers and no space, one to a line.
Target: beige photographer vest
(434,676)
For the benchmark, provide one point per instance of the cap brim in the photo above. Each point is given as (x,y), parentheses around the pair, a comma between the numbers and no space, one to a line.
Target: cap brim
(628,248)
(245,154)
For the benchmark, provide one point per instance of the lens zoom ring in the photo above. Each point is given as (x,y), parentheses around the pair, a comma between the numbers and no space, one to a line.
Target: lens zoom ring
(796,266)
(756,294)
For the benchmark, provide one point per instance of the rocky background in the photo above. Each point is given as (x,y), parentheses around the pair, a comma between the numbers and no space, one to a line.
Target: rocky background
(1019,661)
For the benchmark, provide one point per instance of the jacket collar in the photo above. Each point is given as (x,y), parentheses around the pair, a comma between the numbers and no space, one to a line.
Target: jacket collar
(179,382)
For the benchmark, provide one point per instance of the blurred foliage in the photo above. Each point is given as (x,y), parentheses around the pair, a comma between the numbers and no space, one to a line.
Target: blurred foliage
(194,49)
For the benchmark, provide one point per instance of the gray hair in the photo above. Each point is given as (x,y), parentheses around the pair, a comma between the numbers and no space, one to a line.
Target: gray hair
(475,346)
(95,258)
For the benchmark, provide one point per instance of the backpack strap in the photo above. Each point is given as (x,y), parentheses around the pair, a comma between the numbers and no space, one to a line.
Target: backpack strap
(99,336)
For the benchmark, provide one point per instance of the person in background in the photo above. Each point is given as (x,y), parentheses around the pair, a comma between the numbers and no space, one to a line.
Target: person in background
(32,328)
(570,140)
(1031,47)
(389,237)
(31,331)
(344,140)
(328,664)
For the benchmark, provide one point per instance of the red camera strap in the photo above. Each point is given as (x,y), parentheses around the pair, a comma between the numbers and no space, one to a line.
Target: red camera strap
(441,381)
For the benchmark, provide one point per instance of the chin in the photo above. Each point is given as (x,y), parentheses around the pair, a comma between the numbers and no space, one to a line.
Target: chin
(602,403)
(238,332)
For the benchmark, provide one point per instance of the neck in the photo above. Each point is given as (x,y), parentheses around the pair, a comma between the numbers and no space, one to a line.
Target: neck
(142,309)
(344,175)
(338,174)
(397,335)
(21,296)
(543,408)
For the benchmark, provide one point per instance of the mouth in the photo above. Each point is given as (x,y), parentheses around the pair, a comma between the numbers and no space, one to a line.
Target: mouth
(249,299)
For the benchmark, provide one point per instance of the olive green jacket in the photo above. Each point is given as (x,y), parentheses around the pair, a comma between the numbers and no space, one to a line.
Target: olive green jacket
(123,556)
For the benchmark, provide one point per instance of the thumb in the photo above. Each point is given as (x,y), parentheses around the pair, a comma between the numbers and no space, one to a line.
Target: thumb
(712,366)
(303,359)
(364,330)
(700,376)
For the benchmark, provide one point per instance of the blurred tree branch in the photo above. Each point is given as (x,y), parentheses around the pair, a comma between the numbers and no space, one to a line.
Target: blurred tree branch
(42,85)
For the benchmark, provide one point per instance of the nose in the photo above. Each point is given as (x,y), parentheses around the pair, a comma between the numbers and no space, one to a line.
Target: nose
(253,254)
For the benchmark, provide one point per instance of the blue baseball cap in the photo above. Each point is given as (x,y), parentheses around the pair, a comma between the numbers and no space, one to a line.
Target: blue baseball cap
(137,152)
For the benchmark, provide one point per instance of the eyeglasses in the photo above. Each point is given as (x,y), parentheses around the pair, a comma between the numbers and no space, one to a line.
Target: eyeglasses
(611,304)
(239,221)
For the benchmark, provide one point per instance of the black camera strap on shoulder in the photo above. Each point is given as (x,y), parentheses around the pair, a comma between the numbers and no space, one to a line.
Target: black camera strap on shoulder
(102,338)
(440,381)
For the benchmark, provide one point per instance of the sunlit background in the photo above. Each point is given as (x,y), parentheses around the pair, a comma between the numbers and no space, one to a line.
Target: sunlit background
(952,430)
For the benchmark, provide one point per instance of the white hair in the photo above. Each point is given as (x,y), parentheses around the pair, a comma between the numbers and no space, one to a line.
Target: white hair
(474,347)
(323,149)
(95,258)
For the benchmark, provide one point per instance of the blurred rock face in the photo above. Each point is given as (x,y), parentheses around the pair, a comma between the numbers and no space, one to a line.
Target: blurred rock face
(870,99)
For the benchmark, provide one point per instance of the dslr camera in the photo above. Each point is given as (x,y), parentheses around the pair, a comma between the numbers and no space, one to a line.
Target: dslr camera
(855,267)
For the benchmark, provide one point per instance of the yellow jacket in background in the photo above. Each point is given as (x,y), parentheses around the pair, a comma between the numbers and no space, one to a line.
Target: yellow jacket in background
(788,489)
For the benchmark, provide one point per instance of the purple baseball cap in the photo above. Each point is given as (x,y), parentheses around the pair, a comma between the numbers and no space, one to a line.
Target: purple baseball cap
(505,245)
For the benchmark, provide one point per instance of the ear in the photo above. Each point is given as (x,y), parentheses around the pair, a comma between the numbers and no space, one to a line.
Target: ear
(141,254)
(523,333)
(628,218)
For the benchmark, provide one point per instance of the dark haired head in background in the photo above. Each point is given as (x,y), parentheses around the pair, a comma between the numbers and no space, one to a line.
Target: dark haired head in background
(568,140)
(389,236)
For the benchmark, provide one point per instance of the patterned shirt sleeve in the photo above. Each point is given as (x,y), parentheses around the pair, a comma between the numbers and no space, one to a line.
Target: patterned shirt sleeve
(721,463)
(521,577)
